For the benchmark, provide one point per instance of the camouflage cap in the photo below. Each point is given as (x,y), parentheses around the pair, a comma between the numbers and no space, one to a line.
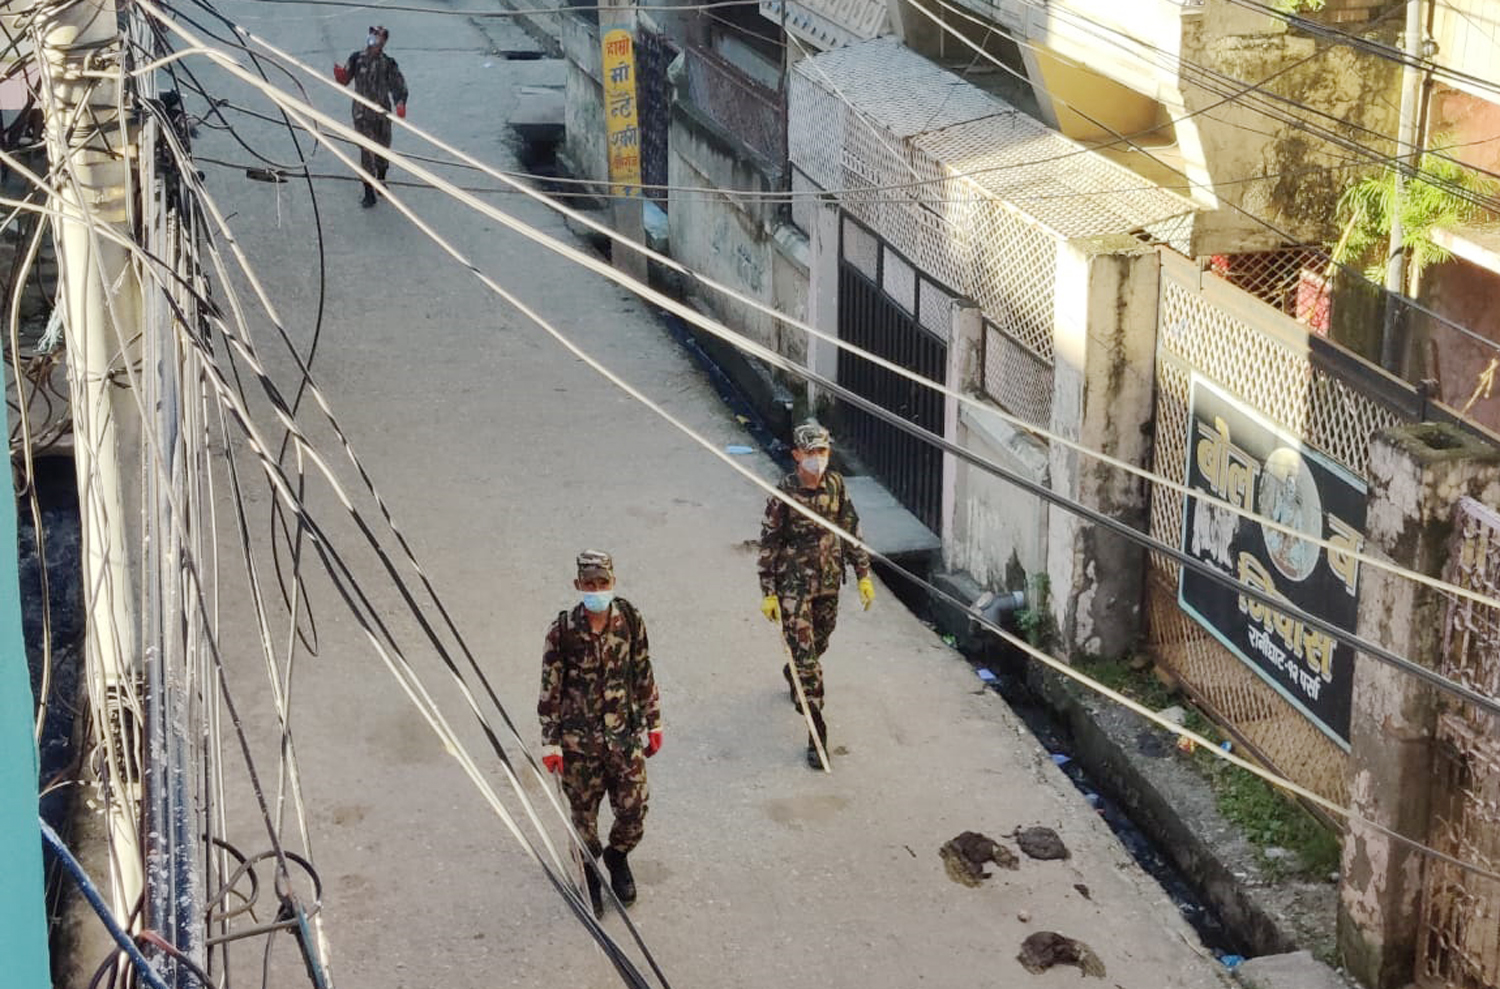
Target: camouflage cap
(595,563)
(810,435)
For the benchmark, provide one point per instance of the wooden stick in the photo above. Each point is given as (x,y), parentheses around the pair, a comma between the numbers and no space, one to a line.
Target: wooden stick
(580,881)
(812,728)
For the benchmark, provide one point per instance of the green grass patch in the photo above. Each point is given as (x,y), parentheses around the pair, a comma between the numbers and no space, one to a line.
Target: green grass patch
(1141,686)
(1259,811)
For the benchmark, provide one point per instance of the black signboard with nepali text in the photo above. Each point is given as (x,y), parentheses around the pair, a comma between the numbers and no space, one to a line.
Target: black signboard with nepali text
(1237,456)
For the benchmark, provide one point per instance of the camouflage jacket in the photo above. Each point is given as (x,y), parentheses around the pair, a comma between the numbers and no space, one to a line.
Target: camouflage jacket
(378,80)
(598,690)
(800,557)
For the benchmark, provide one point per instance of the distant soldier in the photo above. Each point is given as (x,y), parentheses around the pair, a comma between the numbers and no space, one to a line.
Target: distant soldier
(378,79)
(802,566)
(601,718)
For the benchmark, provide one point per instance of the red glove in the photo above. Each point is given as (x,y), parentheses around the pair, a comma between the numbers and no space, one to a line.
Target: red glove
(340,75)
(401,109)
(552,761)
(653,743)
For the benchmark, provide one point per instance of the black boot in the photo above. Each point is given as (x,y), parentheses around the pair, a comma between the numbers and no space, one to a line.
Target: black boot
(620,878)
(369,199)
(596,894)
(813,762)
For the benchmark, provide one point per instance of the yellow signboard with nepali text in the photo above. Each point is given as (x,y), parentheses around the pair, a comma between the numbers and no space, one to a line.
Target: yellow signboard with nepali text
(623,132)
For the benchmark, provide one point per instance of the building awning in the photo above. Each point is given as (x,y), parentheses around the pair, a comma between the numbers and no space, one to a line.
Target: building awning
(826,24)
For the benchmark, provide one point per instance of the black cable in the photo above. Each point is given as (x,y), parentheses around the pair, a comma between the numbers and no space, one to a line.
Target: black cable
(1285,236)
(1145,539)
(364,611)
(309,637)
(1379,49)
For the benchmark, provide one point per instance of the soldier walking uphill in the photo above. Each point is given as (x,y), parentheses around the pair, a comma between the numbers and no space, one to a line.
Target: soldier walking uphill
(601,718)
(802,566)
(378,79)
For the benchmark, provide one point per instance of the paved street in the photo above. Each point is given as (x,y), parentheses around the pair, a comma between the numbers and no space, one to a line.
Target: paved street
(501,456)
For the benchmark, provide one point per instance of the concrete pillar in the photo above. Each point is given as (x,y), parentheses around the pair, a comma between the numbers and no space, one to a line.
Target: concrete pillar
(823,294)
(1417,473)
(629,218)
(1104,344)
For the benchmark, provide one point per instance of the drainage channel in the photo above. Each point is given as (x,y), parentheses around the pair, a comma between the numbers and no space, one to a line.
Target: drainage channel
(1011,687)
(1053,736)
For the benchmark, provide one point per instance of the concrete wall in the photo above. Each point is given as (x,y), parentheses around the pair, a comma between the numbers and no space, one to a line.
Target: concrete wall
(993,520)
(729,241)
(584,144)
(1253,170)
(1417,473)
(23,907)
(1104,345)
(1464,293)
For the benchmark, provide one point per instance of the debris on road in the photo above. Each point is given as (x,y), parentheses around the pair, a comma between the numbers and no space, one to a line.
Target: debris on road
(966,855)
(1041,843)
(1044,949)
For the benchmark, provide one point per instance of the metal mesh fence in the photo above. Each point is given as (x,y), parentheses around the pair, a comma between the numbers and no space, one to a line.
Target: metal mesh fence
(1278,278)
(1460,926)
(1262,357)
(1015,378)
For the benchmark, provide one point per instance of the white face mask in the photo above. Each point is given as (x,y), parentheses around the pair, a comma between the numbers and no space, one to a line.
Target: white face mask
(814,465)
(372,40)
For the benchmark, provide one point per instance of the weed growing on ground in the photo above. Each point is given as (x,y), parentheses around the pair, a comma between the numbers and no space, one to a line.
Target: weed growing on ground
(1260,812)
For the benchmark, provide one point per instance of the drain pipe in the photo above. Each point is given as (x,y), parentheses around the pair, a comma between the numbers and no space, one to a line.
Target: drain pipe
(1396,329)
(991,606)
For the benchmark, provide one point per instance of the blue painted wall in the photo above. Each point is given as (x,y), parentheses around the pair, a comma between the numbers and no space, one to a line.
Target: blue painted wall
(23,921)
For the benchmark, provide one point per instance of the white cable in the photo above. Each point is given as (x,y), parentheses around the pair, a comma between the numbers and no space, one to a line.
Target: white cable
(743,342)
(1061,667)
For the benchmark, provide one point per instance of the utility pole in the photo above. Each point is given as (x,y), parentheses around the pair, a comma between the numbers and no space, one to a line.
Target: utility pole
(79,52)
(1397,320)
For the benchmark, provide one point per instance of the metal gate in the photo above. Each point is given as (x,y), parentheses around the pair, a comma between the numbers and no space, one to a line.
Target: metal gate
(1460,928)
(910,468)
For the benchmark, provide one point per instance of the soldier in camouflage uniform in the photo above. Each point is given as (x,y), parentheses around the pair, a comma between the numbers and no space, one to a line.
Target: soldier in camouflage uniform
(802,566)
(377,78)
(601,718)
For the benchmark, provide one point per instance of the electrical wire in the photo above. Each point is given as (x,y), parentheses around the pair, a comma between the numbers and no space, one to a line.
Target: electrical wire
(813,332)
(1380,49)
(304,449)
(90,891)
(509,13)
(1329,629)
(1065,669)
(1490,704)
(1348,269)
(1247,766)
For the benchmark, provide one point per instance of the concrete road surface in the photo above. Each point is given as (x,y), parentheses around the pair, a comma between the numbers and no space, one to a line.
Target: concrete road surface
(501,456)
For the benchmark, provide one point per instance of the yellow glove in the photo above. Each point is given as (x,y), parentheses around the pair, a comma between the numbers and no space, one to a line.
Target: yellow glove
(771,608)
(866,592)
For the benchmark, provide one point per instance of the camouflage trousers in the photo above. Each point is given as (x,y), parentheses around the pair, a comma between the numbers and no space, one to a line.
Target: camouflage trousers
(588,776)
(807,622)
(377,129)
